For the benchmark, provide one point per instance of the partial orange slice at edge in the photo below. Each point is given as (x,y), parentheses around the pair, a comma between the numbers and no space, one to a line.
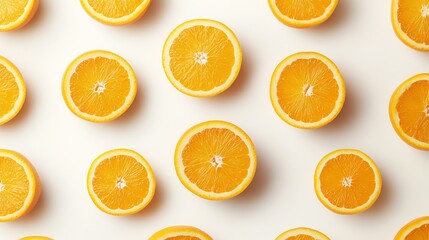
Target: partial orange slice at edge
(180,233)
(302,233)
(414,230)
(17,13)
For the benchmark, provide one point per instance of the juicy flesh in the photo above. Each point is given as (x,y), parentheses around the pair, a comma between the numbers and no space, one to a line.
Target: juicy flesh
(413,17)
(358,191)
(307,90)
(183,238)
(216,160)
(115,9)
(413,111)
(99,86)
(15,186)
(303,9)
(419,233)
(301,237)
(11,10)
(202,58)
(9,91)
(120,182)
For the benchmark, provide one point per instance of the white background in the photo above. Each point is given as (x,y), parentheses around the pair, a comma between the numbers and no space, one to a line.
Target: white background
(358,37)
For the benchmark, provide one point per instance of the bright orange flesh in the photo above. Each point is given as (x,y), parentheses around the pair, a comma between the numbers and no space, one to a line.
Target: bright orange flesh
(301,237)
(185,50)
(417,229)
(302,233)
(180,233)
(86,79)
(15,14)
(9,91)
(110,171)
(303,10)
(347,181)
(409,111)
(115,9)
(215,160)
(410,19)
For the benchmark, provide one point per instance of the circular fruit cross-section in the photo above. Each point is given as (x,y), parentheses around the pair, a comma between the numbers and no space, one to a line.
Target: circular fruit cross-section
(302,233)
(414,230)
(180,233)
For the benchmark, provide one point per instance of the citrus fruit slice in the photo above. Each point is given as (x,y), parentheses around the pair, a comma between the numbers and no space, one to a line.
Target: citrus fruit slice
(215,160)
(12,90)
(302,13)
(115,12)
(180,233)
(35,238)
(19,186)
(302,233)
(15,14)
(347,181)
(409,111)
(121,182)
(410,20)
(99,86)
(307,90)
(201,57)
(417,229)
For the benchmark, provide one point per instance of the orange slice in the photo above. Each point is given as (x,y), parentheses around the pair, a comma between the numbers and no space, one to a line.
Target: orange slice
(19,186)
(409,111)
(410,20)
(302,13)
(215,160)
(302,233)
(347,181)
(115,12)
(201,57)
(15,14)
(418,229)
(307,90)
(121,182)
(180,233)
(35,238)
(12,90)
(99,86)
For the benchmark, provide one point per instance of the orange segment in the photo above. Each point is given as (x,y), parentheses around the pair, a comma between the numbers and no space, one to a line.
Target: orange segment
(12,90)
(302,233)
(180,233)
(347,181)
(302,13)
(410,20)
(215,160)
(202,57)
(409,111)
(19,186)
(121,182)
(307,90)
(35,238)
(99,86)
(417,229)
(17,13)
(115,12)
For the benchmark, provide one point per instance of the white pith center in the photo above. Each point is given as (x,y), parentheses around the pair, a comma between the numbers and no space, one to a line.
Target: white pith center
(201,58)
(347,182)
(427,111)
(121,183)
(308,90)
(100,87)
(217,161)
(1,187)
(425,10)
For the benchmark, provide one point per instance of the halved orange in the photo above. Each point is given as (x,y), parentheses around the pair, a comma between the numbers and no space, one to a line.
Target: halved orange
(35,238)
(12,90)
(19,186)
(180,233)
(302,233)
(215,160)
(409,111)
(302,13)
(307,90)
(115,12)
(121,182)
(201,57)
(99,86)
(417,229)
(347,181)
(16,14)
(410,20)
